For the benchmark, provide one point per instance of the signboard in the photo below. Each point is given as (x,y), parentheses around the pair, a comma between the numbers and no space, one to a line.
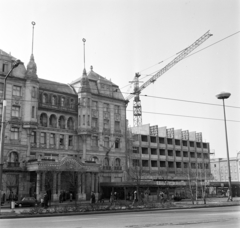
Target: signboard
(185,135)
(153,130)
(199,137)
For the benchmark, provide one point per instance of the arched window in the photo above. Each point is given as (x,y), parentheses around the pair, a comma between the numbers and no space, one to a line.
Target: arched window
(61,122)
(43,120)
(70,123)
(44,98)
(117,162)
(95,159)
(54,100)
(53,121)
(13,157)
(62,101)
(106,162)
(71,103)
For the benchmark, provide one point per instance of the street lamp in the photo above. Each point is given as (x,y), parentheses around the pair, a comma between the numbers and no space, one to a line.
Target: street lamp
(14,65)
(222,96)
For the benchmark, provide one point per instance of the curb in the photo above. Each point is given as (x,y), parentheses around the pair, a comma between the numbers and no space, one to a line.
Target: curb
(19,216)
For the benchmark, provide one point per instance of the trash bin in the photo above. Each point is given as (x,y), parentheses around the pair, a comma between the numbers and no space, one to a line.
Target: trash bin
(12,204)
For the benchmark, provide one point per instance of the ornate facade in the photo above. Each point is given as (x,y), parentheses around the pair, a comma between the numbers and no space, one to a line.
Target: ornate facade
(61,137)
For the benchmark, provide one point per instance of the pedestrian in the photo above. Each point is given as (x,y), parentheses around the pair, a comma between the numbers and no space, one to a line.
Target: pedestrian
(60,197)
(11,196)
(92,200)
(45,199)
(228,195)
(161,197)
(101,198)
(134,197)
(70,197)
(111,198)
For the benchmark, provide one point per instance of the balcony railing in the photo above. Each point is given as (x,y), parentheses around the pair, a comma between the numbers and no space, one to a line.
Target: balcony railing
(118,168)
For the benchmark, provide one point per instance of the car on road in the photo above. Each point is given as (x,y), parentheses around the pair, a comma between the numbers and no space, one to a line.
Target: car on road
(27,202)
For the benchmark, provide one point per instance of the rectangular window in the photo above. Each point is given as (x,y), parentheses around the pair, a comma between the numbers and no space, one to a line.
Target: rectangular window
(17,91)
(105,107)
(117,143)
(70,140)
(15,111)
(1,89)
(162,152)
(52,139)
(106,124)
(43,138)
(135,162)
(94,122)
(117,109)
(83,119)
(34,92)
(4,67)
(1,109)
(106,142)
(33,137)
(117,126)
(193,165)
(33,111)
(15,133)
(94,105)
(61,140)
(88,120)
(62,101)
(185,165)
(94,141)
(162,164)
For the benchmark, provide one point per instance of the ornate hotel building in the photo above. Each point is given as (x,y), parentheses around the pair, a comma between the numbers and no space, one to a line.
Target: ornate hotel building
(61,137)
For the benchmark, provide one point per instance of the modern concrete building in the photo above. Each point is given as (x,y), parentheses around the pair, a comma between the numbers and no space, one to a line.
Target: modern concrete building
(61,137)
(168,156)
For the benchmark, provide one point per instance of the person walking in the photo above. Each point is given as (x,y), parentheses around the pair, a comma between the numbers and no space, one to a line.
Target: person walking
(134,197)
(228,195)
(45,200)
(71,196)
(92,200)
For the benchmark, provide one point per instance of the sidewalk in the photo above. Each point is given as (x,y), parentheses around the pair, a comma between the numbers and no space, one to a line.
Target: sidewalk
(6,212)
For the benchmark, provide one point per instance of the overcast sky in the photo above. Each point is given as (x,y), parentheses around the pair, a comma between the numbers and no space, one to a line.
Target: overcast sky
(125,37)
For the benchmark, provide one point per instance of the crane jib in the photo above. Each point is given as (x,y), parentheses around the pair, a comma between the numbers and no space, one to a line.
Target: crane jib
(181,56)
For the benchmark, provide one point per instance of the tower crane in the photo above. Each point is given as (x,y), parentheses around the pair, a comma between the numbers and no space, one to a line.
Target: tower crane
(137,108)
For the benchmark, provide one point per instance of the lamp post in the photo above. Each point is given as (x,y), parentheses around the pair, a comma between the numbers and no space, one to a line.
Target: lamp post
(222,96)
(14,65)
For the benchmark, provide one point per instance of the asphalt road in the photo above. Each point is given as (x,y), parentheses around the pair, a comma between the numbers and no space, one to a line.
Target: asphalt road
(189,218)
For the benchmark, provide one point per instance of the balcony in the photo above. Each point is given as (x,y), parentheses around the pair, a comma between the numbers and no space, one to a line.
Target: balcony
(13,164)
(117,167)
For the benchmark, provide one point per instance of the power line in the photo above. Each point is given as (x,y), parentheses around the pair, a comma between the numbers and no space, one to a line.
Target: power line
(195,117)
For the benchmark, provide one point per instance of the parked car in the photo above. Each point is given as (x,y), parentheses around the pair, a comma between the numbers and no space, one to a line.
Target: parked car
(27,202)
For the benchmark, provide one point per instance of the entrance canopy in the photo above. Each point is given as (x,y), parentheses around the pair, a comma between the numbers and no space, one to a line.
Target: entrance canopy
(65,164)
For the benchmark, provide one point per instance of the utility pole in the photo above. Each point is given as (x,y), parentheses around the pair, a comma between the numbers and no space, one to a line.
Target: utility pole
(14,65)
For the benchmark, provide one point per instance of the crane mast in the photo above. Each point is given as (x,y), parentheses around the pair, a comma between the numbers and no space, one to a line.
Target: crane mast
(137,107)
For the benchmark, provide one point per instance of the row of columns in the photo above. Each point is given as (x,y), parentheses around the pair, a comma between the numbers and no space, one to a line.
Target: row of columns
(83,182)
